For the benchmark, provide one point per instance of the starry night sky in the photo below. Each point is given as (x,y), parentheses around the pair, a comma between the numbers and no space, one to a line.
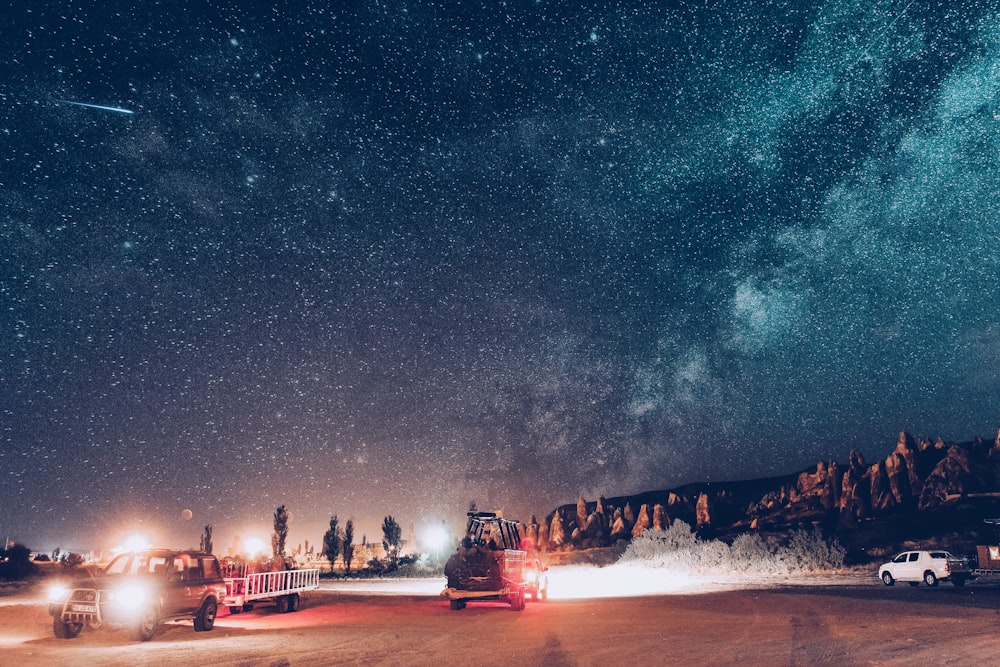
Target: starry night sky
(392,257)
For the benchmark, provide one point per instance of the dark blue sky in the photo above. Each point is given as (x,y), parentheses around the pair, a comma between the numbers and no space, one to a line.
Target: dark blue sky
(393,258)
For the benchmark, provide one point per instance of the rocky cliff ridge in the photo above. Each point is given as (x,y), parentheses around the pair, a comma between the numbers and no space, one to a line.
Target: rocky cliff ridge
(924,491)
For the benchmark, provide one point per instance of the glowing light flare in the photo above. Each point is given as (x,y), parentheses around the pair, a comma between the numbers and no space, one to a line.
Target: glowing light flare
(8,639)
(434,538)
(133,542)
(58,592)
(255,546)
(132,596)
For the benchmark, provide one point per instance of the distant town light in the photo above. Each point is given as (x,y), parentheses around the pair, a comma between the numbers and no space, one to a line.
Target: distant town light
(255,546)
(133,542)
(434,538)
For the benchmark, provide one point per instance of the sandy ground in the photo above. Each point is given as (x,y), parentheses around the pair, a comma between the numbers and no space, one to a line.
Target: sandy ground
(842,622)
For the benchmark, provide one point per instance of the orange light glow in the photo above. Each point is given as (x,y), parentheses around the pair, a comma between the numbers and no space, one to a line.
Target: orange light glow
(133,542)
(255,546)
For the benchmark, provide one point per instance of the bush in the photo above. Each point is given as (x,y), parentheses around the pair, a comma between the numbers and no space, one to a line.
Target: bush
(678,548)
(413,565)
(751,552)
(807,551)
(375,566)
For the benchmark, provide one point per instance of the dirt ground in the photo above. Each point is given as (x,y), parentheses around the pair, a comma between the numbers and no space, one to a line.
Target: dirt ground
(831,624)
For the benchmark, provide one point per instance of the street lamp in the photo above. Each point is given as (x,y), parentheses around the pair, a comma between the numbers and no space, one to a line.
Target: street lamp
(434,538)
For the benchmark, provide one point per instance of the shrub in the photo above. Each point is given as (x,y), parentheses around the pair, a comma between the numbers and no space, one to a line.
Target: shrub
(808,551)
(678,548)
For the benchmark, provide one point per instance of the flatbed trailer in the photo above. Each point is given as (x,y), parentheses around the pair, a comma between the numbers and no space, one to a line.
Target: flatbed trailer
(985,572)
(986,562)
(281,588)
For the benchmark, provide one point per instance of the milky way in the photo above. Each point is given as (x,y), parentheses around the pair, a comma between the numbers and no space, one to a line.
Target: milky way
(396,258)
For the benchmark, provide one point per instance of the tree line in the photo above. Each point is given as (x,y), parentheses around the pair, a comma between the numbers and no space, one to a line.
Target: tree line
(338,542)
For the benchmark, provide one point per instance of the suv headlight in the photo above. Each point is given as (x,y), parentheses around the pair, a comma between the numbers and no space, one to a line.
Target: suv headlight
(58,592)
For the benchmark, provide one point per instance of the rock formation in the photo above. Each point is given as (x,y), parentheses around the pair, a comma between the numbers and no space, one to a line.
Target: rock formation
(702,515)
(948,478)
(919,475)
(620,528)
(642,522)
(660,519)
(557,534)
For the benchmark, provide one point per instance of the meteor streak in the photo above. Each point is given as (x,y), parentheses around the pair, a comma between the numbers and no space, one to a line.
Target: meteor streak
(99,106)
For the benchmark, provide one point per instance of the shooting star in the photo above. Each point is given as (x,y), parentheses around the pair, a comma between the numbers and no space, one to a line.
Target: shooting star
(99,106)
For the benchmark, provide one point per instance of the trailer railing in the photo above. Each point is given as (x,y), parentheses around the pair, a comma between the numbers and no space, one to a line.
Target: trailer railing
(263,585)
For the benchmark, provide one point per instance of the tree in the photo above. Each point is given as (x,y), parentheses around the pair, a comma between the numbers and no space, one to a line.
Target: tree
(392,540)
(71,560)
(280,532)
(348,545)
(331,542)
(206,539)
(18,563)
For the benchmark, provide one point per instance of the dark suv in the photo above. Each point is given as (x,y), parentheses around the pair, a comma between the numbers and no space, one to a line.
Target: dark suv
(488,564)
(141,590)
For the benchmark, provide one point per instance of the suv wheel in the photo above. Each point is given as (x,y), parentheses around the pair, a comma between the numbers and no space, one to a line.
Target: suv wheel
(65,630)
(145,625)
(205,619)
(929,578)
(887,579)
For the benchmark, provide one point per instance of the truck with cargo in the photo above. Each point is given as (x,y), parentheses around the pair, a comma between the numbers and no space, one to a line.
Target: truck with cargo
(489,564)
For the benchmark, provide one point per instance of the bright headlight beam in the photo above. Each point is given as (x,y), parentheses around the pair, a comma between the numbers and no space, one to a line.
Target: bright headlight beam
(569,582)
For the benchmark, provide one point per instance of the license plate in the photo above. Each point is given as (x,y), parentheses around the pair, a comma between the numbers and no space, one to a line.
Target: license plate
(86,608)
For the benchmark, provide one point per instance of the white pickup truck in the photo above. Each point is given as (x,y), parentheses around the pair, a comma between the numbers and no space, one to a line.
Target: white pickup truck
(929,567)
